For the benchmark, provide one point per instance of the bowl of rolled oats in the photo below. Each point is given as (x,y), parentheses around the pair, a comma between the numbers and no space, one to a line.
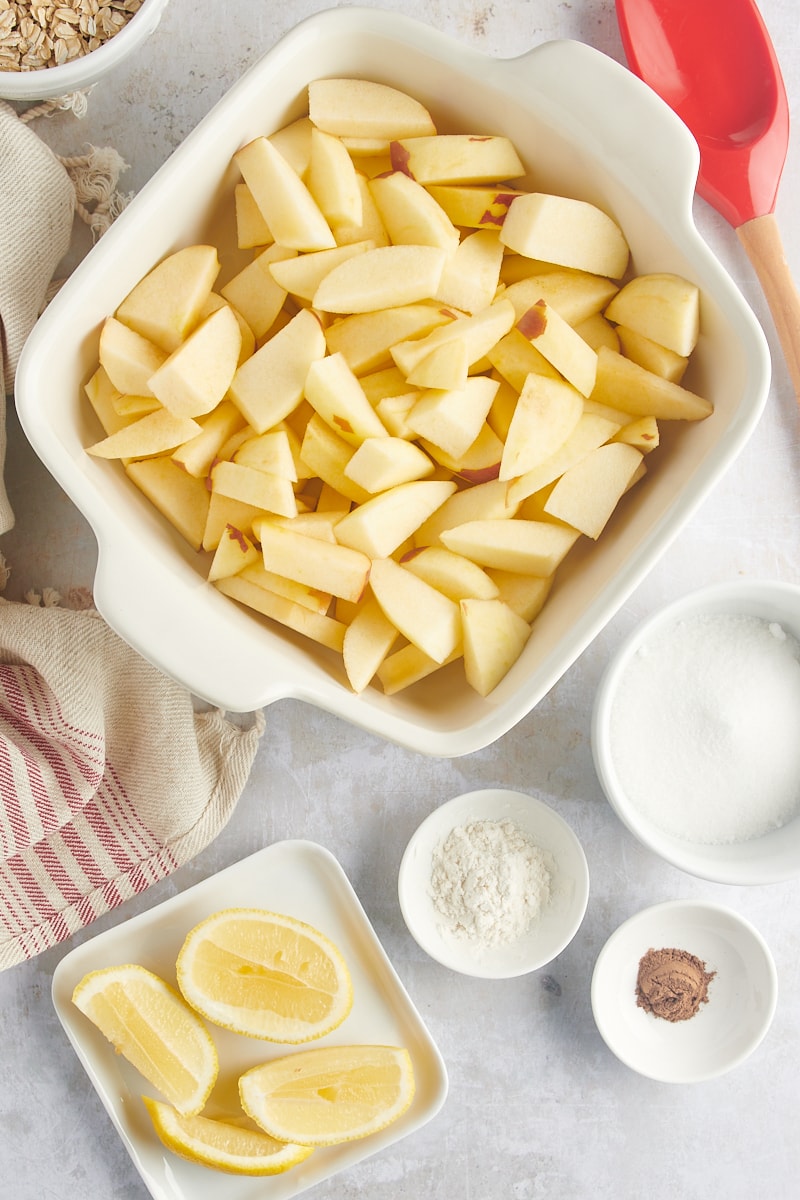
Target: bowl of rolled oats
(52,48)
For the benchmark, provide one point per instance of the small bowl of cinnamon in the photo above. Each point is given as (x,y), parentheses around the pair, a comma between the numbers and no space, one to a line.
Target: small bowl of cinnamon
(684,991)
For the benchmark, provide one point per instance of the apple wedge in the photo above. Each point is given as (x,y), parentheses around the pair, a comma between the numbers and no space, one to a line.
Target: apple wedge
(362,108)
(197,454)
(333,391)
(546,414)
(479,462)
(302,274)
(332,181)
(445,368)
(472,272)
(326,455)
(384,277)
(255,293)
(366,339)
(479,332)
(452,419)
(370,228)
(383,462)
(270,385)
(270,493)
(234,552)
(328,566)
(196,376)
(450,573)
(327,631)
(293,141)
(527,547)
(569,232)
(290,589)
(369,637)
(180,498)
(586,495)
(514,357)
(423,615)
(104,399)
(410,214)
(407,666)
(650,355)
(128,359)
(270,452)
(165,305)
(474,206)
(625,385)
(591,431)
(381,524)
(155,433)
(526,594)
(457,158)
(494,637)
(558,342)
(291,212)
(660,306)
(251,229)
(575,295)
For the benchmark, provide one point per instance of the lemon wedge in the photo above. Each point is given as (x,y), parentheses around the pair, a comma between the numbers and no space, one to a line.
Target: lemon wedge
(329,1094)
(265,975)
(222,1144)
(153,1027)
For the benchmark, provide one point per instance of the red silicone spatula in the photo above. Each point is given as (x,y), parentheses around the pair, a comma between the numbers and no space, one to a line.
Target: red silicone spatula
(715,65)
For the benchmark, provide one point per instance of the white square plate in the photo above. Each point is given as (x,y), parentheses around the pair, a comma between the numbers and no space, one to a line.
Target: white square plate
(298,878)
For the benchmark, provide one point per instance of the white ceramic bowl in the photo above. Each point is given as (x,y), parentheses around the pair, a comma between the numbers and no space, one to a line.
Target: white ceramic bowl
(547,936)
(770,858)
(84,72)
(742,995)
(592,129)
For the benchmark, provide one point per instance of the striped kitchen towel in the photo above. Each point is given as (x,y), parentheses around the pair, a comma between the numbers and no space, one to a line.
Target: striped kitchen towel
(109,776)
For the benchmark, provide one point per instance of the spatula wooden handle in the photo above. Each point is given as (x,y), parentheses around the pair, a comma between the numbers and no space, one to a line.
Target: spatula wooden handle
(762,242)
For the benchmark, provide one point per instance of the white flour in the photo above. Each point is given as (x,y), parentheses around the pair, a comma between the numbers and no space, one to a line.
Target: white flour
(489,881)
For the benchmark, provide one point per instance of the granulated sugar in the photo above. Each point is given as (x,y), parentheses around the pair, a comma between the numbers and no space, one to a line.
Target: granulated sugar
(705,729)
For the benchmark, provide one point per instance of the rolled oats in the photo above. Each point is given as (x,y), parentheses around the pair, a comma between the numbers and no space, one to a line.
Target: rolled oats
(41,34)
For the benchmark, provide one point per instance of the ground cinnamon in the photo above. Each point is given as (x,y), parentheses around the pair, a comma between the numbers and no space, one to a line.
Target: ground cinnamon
(672,984)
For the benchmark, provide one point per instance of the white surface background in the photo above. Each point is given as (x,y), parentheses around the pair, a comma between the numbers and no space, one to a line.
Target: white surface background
(538,1106)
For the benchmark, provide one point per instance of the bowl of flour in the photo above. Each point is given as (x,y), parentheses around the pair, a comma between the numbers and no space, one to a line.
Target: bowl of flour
(695,732)
(494,883)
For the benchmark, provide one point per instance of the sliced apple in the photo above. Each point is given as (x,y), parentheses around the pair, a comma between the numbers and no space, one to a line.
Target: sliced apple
(558,342)
(320,628)
(457,158)
(165,305)
(234,552)
(326,455)
(586,495)
(104,398)
(514,357)
(302,274)
(332,180)
(251,228)
(479,332)
(196,376)
(591,431)
(566,231)
(452,419)
(383,462)
(394,410)
(270,452)
(293,141)
(197,454)
(625,385)
(370,228)
(660,306)
(223,511)
(255,293)
(369,637)
(291,212)
(474,206)
(479,462)
(598,331)
(410,214)
(546,414)
(366,339)
(362,108)
(649,354)
(472,272)
(407,666)
(526,594)
(450,573)
(381,524)
(279,585)
(494,638)
(271,493)
(180,498)
(446,368)
(424,616)
(216,301)
(384,277)
(330,567)
(642,433)
(575,295)
(333,391)
(527,547)
(270,385)
(155,433)
(129,359)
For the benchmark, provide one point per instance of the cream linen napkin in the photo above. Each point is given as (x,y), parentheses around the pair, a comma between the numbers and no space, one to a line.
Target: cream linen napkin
(109,777)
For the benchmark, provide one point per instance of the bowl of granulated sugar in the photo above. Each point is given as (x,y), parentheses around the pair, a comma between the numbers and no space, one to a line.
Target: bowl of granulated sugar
(494,884)
(695,732)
